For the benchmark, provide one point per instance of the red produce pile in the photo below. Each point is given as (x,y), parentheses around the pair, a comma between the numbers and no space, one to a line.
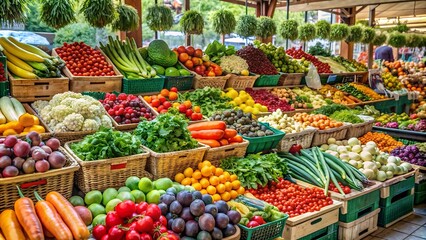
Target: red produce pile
(270,100)
(257,60)
(83,60)
(299,53)
(2,73)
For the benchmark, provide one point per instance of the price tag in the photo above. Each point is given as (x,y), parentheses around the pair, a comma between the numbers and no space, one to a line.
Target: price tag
(332,79)
(348,79)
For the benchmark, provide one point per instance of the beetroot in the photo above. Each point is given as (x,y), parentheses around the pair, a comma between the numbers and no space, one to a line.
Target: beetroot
(21,149)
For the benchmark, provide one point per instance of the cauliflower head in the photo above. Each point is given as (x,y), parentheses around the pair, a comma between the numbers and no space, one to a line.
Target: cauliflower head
(90,125)
(60,112)
(81,106)
(39,105)
(106,121)
(95,111)
(74,122)
(60,127)
(57,99)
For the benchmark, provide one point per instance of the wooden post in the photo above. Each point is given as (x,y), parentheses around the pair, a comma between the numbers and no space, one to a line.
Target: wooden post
(287,17)
(136,34)
(371,19)
(347,49)
(266,9)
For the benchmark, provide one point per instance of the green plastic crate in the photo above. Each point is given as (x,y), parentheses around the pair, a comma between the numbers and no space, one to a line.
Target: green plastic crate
(328,233)
(388,106)
(420,187)
(142,85)
(403,104)
(407,141)
(267,80)
(266,231)
(396,210)
(260,144)
(397,189)
(98,95)
(360,206)
(4,89)
(419,197)
(182,83)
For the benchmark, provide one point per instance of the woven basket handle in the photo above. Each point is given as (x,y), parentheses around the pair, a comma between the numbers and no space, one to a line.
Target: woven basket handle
(118,166)
(34,183)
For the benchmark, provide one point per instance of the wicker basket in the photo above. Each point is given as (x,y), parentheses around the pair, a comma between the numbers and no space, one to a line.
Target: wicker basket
(106,173)
(236,236)
(217,82)
(241,82)
(59,180)
(215,155)
(131,126)
(171,163)
(359,129)
(303,138)
(321,136)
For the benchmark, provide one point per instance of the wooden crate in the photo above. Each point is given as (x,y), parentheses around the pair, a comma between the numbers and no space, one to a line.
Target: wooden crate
(420,174)
(31,90)
(290,79)
(385,190)
(94,84)
(359,228)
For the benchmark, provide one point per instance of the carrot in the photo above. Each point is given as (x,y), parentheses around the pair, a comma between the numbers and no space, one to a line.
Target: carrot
(51,220)
(221,125)
(236,139)
(27,217)
(10,226)
(223,142)
(69,215)
(214,134)
(210,142)
(230,133)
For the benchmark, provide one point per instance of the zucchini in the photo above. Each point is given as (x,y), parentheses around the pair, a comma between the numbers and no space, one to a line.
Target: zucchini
(17,105)
(7,109)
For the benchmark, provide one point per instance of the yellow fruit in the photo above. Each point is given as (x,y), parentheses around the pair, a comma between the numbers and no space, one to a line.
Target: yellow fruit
(248,109)
(179,177)
(188,172)
(232,94)
(193,180)
(228,186)
(264,109)
(238,101)
(245,72)
(236,184)
(220,188)
(214,180)
(227,176)
(211,190)
(218,172)
(197,186)
(234,194)
(226,196)
(204,182)
(176,105)
(200,166)
(255,111)
(241,190)
(216,197)
(203,191)
(207,163)
(186,182)
(197,175)
(222,179)
(250,102)
(206,171)
(242,106)
(213,168)
(258,106)
(244,97)
(233,103)
(233,177)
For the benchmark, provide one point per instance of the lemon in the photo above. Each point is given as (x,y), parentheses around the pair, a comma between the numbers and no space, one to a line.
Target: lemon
(242,92)
(232,94)
(258,106)
(248,109)
(255,111)
(245,72)
(244,97)
(264,109)
(250,102)
(238,100)
(242,106)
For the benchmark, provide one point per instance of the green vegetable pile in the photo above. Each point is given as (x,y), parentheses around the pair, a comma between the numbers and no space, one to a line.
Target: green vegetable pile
(166,133)
(346,116)
(215,50)
(351,66)
(354,92)
(209,99)
(328,110)
(319,50)
(256,169)
(106,143)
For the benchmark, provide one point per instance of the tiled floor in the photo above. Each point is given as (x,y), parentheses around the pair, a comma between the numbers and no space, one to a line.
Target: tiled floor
(410,228)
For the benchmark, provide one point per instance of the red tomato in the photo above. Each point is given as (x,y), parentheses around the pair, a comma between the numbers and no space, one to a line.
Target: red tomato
(145,224)
(182,108)
(132,235)
(153,211)
(125,209)
(99,231)
(174,89)
(112,219)
(252,224)
(115,233)
(155,103)
(141,207)
(189,112)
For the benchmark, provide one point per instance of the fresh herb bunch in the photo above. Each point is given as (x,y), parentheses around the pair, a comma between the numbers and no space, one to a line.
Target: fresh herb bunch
(288,29)
(13,11)
(128,18)
(192,22)
(209,99)
(246,26)
(368,35)
(397,39)
(413,40)
(159,18)
(323,29)
(215,50)
(166,133)
(223,22)
(99,13)
(266,27)
(306,32)
(338,31)
(379,39)
(330,109)
(256,169)
(355,34)
(346,116)
(319,50)
(57,13)
(106,143)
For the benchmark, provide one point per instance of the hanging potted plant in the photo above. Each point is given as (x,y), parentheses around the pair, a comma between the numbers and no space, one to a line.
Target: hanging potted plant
(192,22)
(288,29)
(368,35)
(128,18)
(99,13)
(397,39)
(246,26)
(355,34)
(338,31)
(413,40)
(379,39)
(223,22)
(306,32)
(12,11)
(159,18)
(57,13)
(265,28)
(323,29)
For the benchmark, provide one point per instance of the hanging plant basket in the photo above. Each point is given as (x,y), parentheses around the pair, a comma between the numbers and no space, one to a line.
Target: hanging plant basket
(57,13)
(338,32)
(192,22)
(12,11)
(246,26)
(400,27)
(323,29)
(379,39)
(266,27)
(128,18)
(307,32)
(413,40)
(99,13)
(288,29)
(397,39)
(159,18)
(368,35)
(223,22)
(355,34)
(423,42)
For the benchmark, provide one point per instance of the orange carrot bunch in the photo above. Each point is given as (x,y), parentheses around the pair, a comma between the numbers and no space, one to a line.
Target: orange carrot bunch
(384,142)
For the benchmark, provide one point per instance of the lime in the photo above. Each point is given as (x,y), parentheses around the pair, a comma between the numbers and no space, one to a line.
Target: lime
(172,72)
(184,72)
(96,209)
(162,192)
(145,185)
(94,196)
(124,189)
(138,195)
(111,204)
(108,195)
(132,182)
(163,184)
(125,196)
(77,201)
(99,220)
(159,69)
(153,197)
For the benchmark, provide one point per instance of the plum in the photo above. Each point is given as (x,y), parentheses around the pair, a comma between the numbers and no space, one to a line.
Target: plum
(229,230)
(207,222)
(207,199)
(5,161)
(10,171)
(212,209)
(222,206)
(197,207)
(10,141)
(191,228)
(222,220)
(186,214)
(184,198)
(175,208)
(53,143)
(28,166)
(234,216)
(57,160)
(217,234)
(197,195)
(42,166)
(18,162)
(164,208)
(178,225)
(167,198)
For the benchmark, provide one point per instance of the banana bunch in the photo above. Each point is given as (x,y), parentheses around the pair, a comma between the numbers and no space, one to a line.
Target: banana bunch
(29,62)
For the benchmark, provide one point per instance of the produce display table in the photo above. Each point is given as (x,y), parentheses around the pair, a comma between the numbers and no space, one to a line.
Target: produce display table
(399,133)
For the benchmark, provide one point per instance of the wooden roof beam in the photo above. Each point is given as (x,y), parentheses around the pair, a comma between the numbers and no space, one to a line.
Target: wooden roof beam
(336,4)
(249,4)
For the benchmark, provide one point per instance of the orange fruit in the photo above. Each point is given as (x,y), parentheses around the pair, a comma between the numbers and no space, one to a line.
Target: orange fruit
(214,180)
(226,196)
(148,99)
(173,96)
(179,177)
(197,174)
(203,191)
(228,186)
(188,172)
(218,172)
(164,92)
(200,166)
(196,109)
(241,190)
(207,163)
(234,194)
(187,104)
(193,180)
(227,176)
(234,177)
(204,182)
(211,190)
(213,168)
(236,184)
(176,105)
(206,171)
(186,181)
(216,197)
(220,188)
(222,179)
(197,186)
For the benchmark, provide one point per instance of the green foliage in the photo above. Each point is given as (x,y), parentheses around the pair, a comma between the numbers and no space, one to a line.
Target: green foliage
(397,39)
(192,22)
(32,22)
(338,31)
(246,26)
(76,32)
(289,29)
(355,33)
(98,13)
(319,50)
(400,27)
(368,35)
(128,18)
(223,22)
(413,40)
(13,11)
(323,29)
(266,27)
(307,32)
(57,13)
(159,18)
(379,39)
